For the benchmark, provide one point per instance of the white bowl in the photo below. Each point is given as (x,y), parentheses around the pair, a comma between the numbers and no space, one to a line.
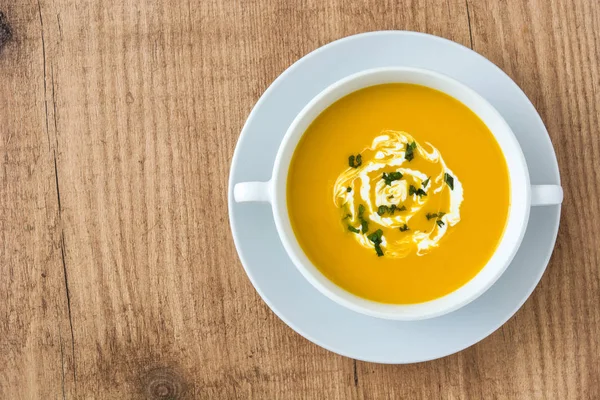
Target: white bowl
(522,194)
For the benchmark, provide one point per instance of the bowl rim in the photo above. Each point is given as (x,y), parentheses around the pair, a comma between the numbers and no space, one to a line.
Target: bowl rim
(510,241)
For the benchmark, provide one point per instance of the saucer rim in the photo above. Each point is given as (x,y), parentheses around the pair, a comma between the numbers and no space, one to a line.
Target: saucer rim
(243,137)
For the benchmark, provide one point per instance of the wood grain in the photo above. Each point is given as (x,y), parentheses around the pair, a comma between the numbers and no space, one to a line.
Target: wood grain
(118,121)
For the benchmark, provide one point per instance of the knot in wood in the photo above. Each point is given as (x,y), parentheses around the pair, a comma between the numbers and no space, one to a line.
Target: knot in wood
(5,32)
(163,383)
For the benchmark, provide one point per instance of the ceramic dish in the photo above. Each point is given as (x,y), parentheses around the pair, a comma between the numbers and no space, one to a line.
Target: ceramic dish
(272,272)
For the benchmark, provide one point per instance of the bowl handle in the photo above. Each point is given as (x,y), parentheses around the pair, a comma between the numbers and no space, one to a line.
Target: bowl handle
(252,191)
(546,195)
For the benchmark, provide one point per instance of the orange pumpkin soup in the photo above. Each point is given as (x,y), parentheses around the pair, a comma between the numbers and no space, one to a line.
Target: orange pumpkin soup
(398,193)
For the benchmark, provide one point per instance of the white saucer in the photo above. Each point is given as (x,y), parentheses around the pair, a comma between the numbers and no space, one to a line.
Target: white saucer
(285,290)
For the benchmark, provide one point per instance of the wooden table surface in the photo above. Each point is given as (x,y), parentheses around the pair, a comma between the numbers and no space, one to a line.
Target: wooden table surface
(119,277)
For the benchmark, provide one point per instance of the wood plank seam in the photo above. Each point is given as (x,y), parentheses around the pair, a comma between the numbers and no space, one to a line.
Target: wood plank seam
(45,83)
(469,23)
(59,206)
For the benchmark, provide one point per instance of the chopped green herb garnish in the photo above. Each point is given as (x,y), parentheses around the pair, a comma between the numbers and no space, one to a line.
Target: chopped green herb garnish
(355,162)
(430,216)
(391,196)
(440,223)
(385,209)
(353,229)
(413,190)
(378,250)
(364,224)
(404,228)
(375,237)
(409,154)
(435,215)
(381,210)
(347,216)
(425,182)
(348,189)
(449,180)
(392,176)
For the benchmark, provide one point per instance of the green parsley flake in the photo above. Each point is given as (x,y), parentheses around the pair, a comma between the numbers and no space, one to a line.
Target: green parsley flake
(435,215)
(375,237)
(413,190)
(381,210)
(392,176)
(355,161)
(353,229)
(364,224)
(409,154)
(430,216)
(449,179)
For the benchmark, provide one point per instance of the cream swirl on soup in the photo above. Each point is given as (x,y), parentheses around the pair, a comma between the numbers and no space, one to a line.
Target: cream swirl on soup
(398,196)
